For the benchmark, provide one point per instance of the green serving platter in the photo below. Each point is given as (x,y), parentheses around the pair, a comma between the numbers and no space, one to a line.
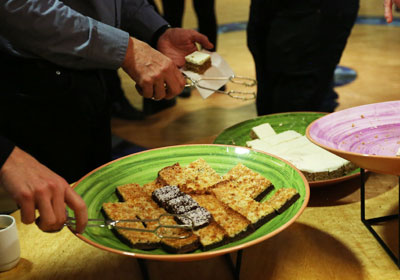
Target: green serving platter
(239,134)
(99,186)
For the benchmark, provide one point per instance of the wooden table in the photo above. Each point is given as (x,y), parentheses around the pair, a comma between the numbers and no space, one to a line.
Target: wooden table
(328,241)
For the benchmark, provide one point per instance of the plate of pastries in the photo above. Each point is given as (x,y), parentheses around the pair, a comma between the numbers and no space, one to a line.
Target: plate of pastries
(191,202)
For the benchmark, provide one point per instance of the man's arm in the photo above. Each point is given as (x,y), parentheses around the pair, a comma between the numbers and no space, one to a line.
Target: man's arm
(55,32)
(34,186)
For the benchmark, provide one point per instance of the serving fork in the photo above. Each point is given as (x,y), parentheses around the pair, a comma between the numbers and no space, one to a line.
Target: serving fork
(158,230)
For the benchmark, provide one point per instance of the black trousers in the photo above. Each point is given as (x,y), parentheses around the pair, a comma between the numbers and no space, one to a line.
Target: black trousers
(205,11)
(60,116)
(296,46)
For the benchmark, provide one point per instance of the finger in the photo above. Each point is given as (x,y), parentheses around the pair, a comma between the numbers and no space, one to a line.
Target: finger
(27,206)
(159,90)
(145,89)
(59,204)
(47,221)
(76,203)
(202,40)
(388,11)
(175,84)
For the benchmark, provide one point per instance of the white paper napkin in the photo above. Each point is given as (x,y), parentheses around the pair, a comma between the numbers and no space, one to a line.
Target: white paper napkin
(219,68)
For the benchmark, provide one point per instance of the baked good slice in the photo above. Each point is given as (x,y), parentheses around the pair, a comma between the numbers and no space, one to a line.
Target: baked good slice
(197,177)
(198,62)
(173,175)
(257,213)
(149,188)
(181,204)
(211,236)
(174,201)
(129,192)
(283,198)
(177,245)
(200,177)
(235,225)
(250,182)
(196,218)
(135,239)
(162,195)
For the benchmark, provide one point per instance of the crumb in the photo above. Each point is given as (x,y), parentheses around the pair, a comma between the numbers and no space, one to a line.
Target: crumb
(352,125)
(362,116)
(363,143)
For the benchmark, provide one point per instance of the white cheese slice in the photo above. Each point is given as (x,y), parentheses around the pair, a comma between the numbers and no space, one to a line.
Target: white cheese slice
(297,149)
(263,131)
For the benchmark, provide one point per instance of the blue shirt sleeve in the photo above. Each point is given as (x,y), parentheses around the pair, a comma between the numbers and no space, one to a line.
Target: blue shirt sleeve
(140,19)
(56,32)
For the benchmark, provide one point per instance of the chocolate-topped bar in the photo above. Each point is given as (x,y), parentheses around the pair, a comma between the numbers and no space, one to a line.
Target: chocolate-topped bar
(181,204)
(164,194)
(197,218)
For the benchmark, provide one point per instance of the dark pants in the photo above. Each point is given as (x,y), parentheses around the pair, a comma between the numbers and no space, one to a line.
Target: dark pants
(60,116)
(296,46)
(205,11)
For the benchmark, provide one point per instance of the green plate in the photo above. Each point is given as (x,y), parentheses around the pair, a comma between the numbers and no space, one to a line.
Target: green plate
(239,134)
(99,186)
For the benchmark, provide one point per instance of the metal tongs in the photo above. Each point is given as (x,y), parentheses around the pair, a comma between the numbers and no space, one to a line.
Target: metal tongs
(158,230)
(240,80)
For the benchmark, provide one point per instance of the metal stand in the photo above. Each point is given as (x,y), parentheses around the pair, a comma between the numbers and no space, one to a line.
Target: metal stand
(143,269)
(370,222)
(234,268)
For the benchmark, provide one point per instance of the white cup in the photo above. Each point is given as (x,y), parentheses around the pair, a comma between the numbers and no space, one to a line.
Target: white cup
(9,243)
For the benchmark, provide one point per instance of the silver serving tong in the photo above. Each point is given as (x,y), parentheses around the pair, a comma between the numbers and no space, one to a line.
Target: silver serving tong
(113,224)
(240,80)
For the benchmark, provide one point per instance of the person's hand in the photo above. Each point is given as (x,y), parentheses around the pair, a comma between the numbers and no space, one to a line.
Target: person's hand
(388,4)
(156,76)
(176,43)
(34,186)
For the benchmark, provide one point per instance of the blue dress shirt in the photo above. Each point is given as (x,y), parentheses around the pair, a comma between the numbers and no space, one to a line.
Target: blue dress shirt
(80,34)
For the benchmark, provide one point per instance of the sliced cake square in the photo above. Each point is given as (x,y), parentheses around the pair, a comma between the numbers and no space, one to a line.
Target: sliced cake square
(181,204)
(250,182)
(257,213)
(164,194)
(235,225)
(198,62)
(129,192)
(149,188)
(283,198)
(196,218)
(197,177)
(176,245)
(200,177)
(173,175)
(135,239)
(211,236)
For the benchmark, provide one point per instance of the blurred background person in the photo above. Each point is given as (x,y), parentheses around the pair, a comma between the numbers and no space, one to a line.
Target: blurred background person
(173,11)
(296,46)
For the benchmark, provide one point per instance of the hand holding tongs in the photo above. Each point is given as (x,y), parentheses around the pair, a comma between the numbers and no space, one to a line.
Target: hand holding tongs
(113,224)
(244,81)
